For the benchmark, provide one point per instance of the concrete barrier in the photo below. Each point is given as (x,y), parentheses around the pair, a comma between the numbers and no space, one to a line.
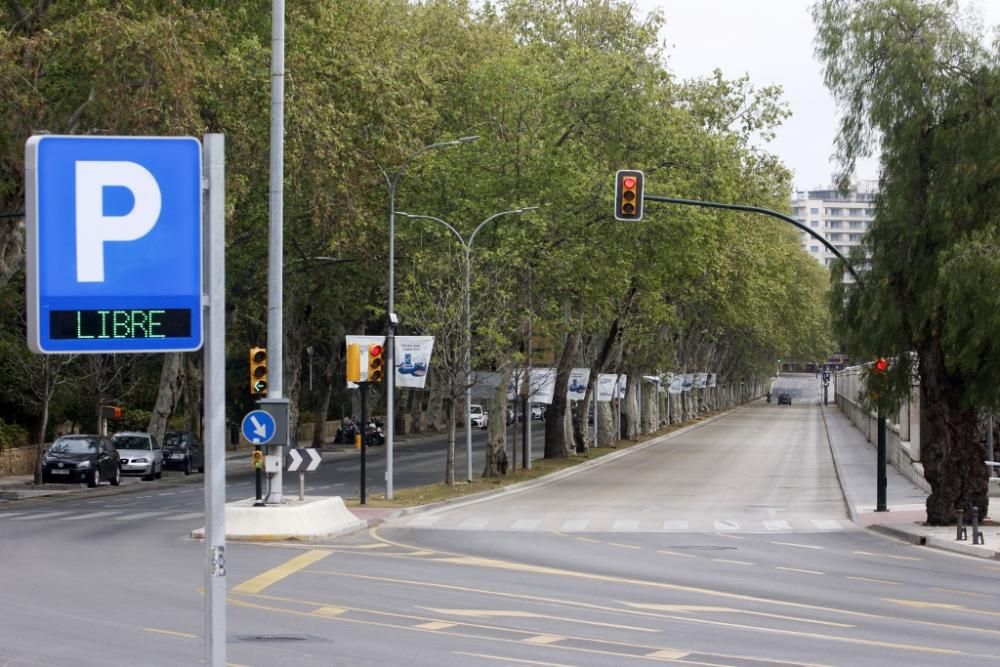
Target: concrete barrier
(310,519)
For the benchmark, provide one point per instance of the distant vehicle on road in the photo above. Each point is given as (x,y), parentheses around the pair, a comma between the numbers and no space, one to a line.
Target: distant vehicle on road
(784,399)
(182,450)
(479,417)
(538,412)
(81,458)
(140,454)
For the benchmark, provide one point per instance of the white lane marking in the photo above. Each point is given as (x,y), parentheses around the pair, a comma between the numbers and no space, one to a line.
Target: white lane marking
(777,525)
(43,515)
(168,493)
(574,525)
(138,515)
(91,515)
(625,524)
(182,517)
(676,525)
(826,524)
(726,525)
(526,524)
(423,521)
(801,546)
(473,524)
(10,515)
(795,569)
(734,562)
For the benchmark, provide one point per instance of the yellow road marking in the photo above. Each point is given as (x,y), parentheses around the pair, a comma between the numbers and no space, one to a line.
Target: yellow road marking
(919,604)
(330,611)
(795,569)
(512,613)
(587,539)
(729,610)
(276,574)
(435,625)
(877,581)
(172,633)
(544,640)
(623,546)
(666,654)
(957,592)
(503,658)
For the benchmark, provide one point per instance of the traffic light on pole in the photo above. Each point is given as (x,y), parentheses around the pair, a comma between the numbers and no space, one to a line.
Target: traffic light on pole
(628,195)
(881,365)
(353,362)
(258,371)
(375,369)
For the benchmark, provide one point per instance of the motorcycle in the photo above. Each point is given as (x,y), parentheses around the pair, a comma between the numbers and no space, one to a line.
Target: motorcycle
(347,432)
(769,397)
(374,437)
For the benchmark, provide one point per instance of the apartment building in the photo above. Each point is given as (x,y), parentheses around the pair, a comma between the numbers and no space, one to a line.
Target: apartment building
(842,219)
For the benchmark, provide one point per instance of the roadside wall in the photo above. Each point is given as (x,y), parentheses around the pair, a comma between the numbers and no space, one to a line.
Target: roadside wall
(17,460)
(903,435)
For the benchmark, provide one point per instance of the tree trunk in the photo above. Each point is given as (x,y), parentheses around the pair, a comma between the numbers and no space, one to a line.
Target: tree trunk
(630,409)
(323,406)
(43,422)
(194,382)
(449,465)
(953,453)
(166,395)
(557,444)
(496,436)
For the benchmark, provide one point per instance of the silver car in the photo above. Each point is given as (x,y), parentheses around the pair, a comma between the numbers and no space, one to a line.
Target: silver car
(140,454)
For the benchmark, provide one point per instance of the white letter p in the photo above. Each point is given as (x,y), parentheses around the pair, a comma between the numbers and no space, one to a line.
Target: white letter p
(93,228)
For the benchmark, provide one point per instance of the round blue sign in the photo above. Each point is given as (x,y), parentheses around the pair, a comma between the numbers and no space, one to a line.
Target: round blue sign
(258,427)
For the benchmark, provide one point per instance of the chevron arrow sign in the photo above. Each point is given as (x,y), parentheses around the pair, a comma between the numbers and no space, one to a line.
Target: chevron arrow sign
(303,460)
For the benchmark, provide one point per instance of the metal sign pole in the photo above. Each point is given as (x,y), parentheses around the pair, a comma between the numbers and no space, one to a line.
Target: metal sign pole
(215,402)
(302,485)
(363,388)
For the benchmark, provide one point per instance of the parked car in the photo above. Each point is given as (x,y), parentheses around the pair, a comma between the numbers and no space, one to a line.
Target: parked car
(140,454)
(784,399)
(82,458)
(478,416)
(537,411)
(182,450)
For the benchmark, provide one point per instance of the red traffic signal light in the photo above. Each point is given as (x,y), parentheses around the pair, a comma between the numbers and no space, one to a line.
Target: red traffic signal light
(628,195)
(375,362)
(881,365)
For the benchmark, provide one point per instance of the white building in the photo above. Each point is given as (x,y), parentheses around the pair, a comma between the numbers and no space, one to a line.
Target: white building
(842,219)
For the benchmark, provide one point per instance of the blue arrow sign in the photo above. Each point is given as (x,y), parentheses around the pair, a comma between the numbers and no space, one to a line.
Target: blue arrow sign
(258,427)
(114,243)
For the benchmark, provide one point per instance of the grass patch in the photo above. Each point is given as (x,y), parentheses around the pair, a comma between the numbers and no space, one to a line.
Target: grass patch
(434,493)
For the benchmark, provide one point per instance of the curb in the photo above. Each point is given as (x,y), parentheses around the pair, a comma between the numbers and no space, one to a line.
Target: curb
(852,513)
(914,536)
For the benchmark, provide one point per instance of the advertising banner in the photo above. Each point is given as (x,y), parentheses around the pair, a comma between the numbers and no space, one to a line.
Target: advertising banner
(700,380)
(622,383)
(676,384)
(688,382)
(542,385)
(412,359)
(711,380)
(363,342)
(578,379)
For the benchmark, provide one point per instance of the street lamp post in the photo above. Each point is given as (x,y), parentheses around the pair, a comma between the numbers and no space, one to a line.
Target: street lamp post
(467,247)
(390,352)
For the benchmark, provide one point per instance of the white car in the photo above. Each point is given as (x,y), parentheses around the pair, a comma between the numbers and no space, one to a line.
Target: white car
(479,417)
(140,454)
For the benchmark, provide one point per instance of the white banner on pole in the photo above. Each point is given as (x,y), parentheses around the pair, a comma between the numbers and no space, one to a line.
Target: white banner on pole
(688,382)
(364,342)
(700,380)
(711,380)
(542,385)
(676,384)
(577,388)
(606,387)
(413,359)
(622,383)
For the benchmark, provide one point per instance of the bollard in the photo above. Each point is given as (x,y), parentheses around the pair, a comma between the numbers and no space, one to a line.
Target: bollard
(961,533)
(977,535)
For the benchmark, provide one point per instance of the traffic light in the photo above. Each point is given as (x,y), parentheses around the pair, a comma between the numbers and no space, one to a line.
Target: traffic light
(628,195)
(375,362)
(353,362)
(880,366)
(258,460)
(258,371)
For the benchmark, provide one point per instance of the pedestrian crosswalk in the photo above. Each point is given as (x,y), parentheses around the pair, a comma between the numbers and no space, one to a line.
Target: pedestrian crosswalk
(604,523)
(89,514)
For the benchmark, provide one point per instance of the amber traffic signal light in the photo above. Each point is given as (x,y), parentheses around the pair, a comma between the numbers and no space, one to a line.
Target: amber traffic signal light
(375,369)
(258,371)
(628,195)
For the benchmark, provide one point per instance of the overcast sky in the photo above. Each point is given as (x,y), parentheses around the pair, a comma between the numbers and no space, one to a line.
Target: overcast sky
(772,41)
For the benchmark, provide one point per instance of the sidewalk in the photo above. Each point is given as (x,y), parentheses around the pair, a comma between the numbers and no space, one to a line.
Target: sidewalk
(855,460)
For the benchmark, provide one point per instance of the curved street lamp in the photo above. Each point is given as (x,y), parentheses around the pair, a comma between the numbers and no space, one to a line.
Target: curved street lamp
(467,246)
(391,181)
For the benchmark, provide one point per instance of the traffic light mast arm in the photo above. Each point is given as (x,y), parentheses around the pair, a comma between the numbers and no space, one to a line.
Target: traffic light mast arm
(765,211)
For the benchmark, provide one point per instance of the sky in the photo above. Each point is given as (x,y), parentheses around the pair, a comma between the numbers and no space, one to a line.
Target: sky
(772,41)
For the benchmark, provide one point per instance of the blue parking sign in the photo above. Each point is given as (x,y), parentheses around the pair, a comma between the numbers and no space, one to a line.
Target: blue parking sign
(114,244)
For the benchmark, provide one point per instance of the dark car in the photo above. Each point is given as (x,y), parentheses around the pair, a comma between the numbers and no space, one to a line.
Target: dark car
(182,450)
(784,399)
(82,458)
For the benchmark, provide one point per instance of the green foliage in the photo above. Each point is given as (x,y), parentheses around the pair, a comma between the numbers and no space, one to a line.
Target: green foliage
(12,435)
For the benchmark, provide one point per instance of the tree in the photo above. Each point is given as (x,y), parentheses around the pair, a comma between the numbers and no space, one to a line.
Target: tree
(915,81)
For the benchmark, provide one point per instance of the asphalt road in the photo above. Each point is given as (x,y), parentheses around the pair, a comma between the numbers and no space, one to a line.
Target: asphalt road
(683,559)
